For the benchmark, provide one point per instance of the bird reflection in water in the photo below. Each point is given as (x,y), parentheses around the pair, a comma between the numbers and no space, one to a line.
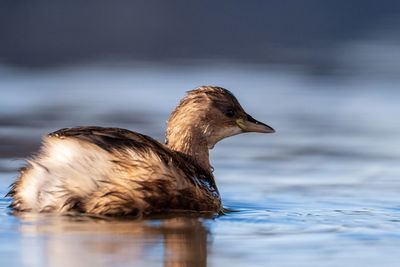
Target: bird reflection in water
(83,240)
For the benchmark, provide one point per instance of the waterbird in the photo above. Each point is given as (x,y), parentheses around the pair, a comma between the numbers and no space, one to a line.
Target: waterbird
(117,172)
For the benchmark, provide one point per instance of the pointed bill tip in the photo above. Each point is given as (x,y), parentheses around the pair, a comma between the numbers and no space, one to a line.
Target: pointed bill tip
(253,125)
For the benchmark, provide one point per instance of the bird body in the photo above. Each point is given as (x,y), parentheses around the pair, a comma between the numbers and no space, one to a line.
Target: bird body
(112,171)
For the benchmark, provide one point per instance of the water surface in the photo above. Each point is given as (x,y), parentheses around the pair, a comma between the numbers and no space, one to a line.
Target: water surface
(322,191)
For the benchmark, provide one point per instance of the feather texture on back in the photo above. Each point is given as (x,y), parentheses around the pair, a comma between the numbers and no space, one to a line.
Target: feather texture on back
(111,171)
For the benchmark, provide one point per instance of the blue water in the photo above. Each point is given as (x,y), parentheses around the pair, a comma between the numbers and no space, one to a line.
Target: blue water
(322,191)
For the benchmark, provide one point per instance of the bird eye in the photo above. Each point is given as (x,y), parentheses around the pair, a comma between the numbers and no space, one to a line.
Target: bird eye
(230,113)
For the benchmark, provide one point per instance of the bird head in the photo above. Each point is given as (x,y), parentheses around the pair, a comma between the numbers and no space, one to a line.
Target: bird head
(212,113)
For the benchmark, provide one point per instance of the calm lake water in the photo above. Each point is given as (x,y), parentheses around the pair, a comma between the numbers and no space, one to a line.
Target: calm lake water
(322,191)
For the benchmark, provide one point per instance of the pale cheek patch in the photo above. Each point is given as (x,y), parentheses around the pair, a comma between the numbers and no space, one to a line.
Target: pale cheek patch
(223,133)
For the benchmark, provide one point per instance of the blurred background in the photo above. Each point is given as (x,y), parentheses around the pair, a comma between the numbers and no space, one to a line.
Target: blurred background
(324,74)
(321,38)
(59,57)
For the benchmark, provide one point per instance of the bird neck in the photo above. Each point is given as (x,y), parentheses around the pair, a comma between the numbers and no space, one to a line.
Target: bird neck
(190,142)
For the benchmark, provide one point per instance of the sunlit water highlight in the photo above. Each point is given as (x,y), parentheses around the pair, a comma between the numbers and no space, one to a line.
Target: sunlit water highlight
(322,191)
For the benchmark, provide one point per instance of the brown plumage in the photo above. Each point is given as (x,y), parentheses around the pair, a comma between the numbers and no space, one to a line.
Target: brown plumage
(112,171)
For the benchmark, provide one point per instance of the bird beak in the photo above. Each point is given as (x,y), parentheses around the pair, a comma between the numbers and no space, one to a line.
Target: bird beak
(251,125)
